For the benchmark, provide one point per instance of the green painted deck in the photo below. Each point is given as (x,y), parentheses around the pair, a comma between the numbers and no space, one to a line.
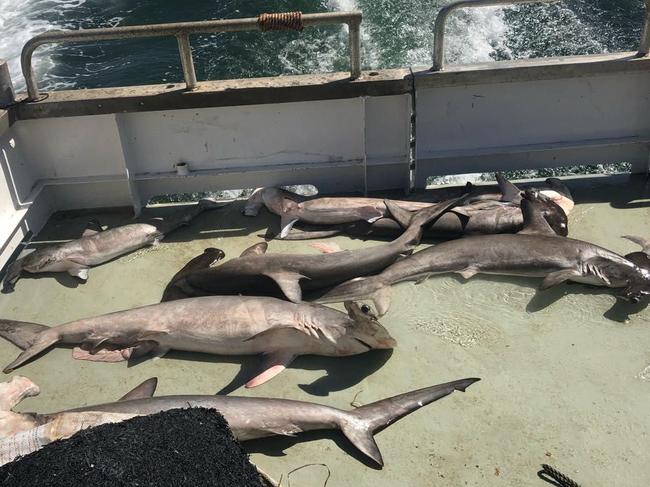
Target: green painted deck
(565,372)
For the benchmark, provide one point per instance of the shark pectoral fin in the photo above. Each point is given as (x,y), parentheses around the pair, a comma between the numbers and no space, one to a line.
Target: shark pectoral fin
(369,214)
(422,278)
(273,364)
(558,277)
(159,351)
(79,271)
(468,272)
(289,283)
(326,248)
(257,249)
(509,192)
(381,299)
(141,391)
(102,355)
(286,224)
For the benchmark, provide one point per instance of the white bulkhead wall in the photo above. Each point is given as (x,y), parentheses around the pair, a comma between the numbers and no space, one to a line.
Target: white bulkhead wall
(532,124)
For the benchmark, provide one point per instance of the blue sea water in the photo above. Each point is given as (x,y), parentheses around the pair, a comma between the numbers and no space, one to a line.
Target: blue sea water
(396,33)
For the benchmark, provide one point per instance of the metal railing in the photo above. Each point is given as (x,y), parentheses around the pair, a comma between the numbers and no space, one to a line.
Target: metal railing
(439,27)
(182,31)
(644,45)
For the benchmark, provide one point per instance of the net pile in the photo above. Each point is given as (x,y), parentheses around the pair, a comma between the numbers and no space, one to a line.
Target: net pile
(176,447)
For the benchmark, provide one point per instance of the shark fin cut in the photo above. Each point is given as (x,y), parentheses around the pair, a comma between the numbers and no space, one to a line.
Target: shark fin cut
(273,364)
(326,248)
(257,249)
(360,424)
(141,391)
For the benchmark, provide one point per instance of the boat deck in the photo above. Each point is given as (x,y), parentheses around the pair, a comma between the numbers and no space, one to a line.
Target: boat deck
(564,372)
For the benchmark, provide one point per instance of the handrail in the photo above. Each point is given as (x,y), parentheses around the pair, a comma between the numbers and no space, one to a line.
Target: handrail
(182,31)
(644,45)
(439,27)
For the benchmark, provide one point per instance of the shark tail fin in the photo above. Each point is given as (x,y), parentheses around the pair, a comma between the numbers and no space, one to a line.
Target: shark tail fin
(360,424)
(12,275)
(414,222)
(31,337)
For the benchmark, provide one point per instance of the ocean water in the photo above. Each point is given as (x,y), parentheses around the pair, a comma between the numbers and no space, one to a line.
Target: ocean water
(396,33)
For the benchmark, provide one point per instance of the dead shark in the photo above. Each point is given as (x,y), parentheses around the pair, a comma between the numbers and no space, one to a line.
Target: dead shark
(248,417)
(482,213)
(96,247)
(536,251)
(223,325)
(256,272)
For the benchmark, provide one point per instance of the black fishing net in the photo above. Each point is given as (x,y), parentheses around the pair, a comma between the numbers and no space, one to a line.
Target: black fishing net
(179,447)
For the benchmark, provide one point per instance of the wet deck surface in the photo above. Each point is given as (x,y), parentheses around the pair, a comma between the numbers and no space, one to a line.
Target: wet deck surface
(566,373)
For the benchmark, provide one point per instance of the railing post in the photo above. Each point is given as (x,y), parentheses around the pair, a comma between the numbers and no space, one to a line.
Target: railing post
(187,62)
(644,45)
(439,27)
(354,28)
(7,96)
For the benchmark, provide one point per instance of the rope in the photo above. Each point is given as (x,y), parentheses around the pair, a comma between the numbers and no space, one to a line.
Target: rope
(555,477)
(280,21)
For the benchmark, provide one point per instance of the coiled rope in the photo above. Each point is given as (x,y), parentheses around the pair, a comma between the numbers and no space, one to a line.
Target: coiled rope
(280,21)
(555,477)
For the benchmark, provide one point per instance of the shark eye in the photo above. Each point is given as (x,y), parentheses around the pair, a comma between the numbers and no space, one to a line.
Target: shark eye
(365,309)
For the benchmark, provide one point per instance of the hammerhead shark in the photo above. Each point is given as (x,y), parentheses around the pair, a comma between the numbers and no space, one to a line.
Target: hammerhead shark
(256,272)
(98,246)
(223,325)
(248,417)
(536,251)
(482,213)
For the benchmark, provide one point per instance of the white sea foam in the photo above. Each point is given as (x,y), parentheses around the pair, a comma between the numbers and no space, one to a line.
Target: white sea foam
(21,20)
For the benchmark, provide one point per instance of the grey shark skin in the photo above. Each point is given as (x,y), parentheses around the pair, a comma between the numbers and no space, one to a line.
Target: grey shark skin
(97,247)
(257,273)
(534,252)
(483,213)
(223,325)
(251,418)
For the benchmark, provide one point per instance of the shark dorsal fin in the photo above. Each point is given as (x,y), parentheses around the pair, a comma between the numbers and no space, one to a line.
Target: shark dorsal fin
(142,391)
(257,249)
(509,192)
(93,227)
(534,221)
(644,243)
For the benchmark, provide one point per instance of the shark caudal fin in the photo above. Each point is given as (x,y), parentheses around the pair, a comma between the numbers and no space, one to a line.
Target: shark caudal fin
(12,275)
(414,222)
(360,424)
(31,337)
